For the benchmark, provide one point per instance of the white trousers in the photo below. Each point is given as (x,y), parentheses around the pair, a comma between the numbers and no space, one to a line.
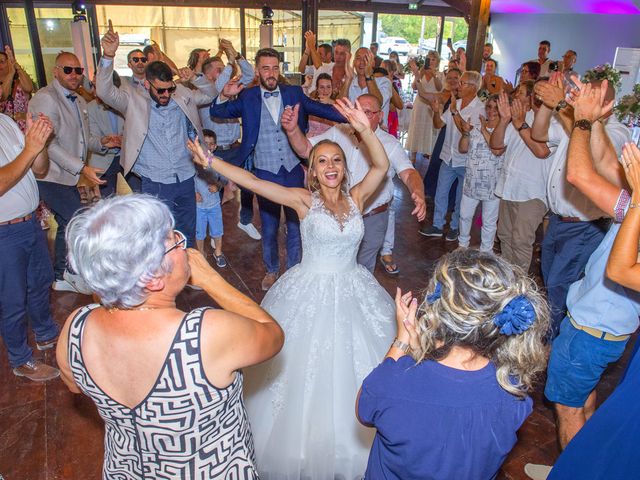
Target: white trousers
(490,209)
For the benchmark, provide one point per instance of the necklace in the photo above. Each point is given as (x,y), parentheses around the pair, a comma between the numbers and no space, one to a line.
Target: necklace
(140,309)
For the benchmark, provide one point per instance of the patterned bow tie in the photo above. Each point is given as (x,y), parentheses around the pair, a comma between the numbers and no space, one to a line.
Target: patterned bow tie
(271,94)
(72,98)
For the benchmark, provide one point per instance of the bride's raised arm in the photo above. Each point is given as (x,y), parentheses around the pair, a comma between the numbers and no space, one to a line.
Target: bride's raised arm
(378,156)
(297,198)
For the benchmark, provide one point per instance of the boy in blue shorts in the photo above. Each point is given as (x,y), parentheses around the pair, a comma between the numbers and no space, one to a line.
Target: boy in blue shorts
(208,208)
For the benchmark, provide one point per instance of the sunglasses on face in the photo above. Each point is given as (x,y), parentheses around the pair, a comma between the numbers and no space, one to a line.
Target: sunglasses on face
(161,91)
(68,70)
(139,59)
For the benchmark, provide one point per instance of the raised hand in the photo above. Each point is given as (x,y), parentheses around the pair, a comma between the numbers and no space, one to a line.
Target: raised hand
(518,113)
(631,164)
(110,41)
(349,71)
(436,106)
(483,122)
(466,127)
(310,40)
(463,61)
(232,88)
(10,56)
(38,132)
(354,114)
(91,174)
(289,119)
(413,66)
(370,62)
(406,308)
(504,109)
(186,74)
(590,102)
(199,157)
(550,93)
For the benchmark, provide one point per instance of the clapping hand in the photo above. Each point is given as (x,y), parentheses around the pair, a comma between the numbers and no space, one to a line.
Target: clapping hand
(406,308)
(504,109)
(232,88)
(465,127)
(590,103)
(518,113)
(483,123)
(370,62)
(631,165)
(310,40)
(110,41)
(38,132)
(551,92)
(354,114)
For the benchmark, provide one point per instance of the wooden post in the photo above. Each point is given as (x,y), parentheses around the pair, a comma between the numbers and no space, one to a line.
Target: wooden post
(478,21)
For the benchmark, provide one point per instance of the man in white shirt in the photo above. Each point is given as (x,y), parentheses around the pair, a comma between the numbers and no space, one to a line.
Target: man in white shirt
(522,183)
(468,107)
(26,272)
(376,212)
(336,69)
(577,225)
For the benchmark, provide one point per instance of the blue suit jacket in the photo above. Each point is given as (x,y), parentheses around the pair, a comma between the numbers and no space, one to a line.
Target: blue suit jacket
(248,106)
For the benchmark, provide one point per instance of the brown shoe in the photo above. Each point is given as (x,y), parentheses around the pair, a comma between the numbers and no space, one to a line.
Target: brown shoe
(47,345)
(36,371)
(268,281)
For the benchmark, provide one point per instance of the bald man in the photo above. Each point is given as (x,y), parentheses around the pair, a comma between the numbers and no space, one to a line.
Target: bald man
(67,152)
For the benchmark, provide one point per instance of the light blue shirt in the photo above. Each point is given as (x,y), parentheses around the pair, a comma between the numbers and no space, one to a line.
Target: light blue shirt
(227,130)
(164,157)
(598,302)
(203,179)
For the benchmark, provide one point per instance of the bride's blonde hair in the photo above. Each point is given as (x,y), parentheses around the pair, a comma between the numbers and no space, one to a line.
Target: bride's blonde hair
(469,291)
(313,184)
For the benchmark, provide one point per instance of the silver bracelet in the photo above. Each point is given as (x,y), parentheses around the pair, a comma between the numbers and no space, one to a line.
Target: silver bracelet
(400,345)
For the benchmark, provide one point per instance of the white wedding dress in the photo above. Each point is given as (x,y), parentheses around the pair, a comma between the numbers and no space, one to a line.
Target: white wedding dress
(338,323)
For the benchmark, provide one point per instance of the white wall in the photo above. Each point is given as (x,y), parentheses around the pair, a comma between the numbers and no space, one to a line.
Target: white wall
(594,37)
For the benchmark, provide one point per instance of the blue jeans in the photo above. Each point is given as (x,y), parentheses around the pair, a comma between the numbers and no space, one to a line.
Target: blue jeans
(270,218)
(64,201)
(446,177)
(566,249)
(111,176)
(26,274)
(180,197)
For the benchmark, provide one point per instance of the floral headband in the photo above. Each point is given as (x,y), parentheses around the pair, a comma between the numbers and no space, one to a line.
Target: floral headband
(515,318)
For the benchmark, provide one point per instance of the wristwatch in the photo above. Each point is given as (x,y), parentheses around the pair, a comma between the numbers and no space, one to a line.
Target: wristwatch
(561,104)
(583,124)
(368,79)
(239,56)
(524,126)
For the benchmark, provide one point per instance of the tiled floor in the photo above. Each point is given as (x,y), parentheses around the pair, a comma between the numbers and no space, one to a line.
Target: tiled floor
(48,433)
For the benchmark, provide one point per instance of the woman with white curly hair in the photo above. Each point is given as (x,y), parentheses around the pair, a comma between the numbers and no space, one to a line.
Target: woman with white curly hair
(167,383)
(452,391)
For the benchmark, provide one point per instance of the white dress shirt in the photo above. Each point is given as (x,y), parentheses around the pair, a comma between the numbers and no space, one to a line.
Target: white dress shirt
(565,199)
(386,90)
(324,68)
(524,176)
(273,103)
(23,197)
(450,153)
(358,165)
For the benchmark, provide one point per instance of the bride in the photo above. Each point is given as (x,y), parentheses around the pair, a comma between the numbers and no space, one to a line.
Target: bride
(338,320)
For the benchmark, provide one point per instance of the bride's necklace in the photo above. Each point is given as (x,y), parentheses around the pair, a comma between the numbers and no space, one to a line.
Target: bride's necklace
(140,309)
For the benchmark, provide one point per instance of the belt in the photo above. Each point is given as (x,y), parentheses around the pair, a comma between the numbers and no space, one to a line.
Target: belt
(594,332)
(375,211)
(571,219)
(224,148)
(26,218)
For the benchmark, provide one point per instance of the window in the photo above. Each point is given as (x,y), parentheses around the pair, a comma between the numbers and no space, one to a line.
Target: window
(21,40)
(54,29)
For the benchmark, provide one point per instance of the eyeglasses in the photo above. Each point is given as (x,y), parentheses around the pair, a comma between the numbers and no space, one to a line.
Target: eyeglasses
(371,113)
(468,83)
(68,70)
(139,59)
(160,91)
(180,243)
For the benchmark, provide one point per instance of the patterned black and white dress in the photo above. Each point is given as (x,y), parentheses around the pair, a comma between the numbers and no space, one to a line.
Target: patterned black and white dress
(184,429)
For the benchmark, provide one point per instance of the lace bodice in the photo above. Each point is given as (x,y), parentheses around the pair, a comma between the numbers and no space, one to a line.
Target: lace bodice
(329,243)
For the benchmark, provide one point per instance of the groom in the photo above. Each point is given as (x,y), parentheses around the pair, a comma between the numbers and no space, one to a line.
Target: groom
(273,159)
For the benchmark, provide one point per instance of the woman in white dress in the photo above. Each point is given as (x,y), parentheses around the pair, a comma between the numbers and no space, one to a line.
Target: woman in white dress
(427,81)
(338,320)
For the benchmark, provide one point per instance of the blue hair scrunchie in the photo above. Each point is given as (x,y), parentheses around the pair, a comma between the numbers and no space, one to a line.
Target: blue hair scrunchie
(516,317)
(437,293)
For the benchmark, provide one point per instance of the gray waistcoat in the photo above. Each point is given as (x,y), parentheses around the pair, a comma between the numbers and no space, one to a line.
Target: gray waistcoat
(272,149)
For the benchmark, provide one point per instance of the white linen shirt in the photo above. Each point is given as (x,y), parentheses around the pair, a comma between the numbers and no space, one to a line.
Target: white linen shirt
(21,199)
(386,90)
(358,165)
(524,176)
(565,199)
(450,153)
(324,68)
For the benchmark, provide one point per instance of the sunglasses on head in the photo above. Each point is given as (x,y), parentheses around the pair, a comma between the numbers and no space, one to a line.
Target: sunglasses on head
(139,59)
(68,70)
(161,91)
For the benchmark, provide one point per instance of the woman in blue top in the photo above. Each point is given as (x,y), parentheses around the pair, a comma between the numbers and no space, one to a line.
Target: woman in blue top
(451,409)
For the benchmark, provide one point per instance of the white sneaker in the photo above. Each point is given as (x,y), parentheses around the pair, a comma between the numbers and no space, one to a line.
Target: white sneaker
(71,283)
(250,230)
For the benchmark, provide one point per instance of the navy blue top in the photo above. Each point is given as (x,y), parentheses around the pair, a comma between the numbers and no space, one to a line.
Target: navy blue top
(437,422)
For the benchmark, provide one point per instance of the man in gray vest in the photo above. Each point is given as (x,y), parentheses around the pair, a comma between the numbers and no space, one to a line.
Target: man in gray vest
(260,108)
